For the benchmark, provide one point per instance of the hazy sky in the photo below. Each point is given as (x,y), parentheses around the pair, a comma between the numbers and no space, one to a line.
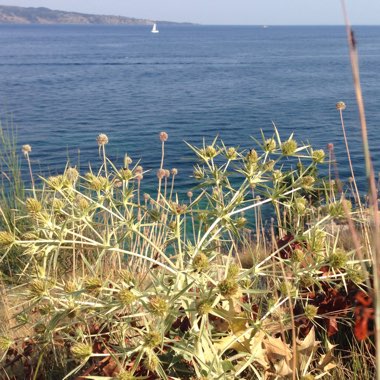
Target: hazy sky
(247,12)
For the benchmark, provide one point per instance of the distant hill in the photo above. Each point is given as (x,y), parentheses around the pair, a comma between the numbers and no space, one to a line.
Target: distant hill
(22,15)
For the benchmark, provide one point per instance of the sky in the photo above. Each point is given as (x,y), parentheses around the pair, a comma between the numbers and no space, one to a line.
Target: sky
(234,12)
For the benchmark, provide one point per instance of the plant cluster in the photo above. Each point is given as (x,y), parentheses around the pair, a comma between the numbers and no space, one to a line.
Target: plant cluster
(111,282)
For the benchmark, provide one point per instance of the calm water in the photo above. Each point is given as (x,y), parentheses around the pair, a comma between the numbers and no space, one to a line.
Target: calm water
(65,84)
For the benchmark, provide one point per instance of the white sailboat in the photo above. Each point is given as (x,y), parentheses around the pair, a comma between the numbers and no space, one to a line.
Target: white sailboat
(154,29)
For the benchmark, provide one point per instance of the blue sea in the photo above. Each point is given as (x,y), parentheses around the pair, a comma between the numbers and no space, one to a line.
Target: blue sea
(63,85)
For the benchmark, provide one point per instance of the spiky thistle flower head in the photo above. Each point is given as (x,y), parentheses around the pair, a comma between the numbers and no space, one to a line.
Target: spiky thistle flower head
(307,181)
(81,351)
(231,153)
(270,145)
(228,288)
(5,343)
(338,259)
(158,306)
(39,287)
(125,375)
(126,297)
(311,311)
(289,147)
(33,205)
(204,307)
(318,156)
(6,238)
(201,262)
(152,339)
(93,284)
(210,151)
(252,156)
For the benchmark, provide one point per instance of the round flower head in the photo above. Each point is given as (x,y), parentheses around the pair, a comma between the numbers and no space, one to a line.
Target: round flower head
(289,147)
(231,153)
(102,139)
(340,106)
(174,171)
(163,136)
(330,147)
(139,169)
(270,145)
(26,149)
(81,351)
(161,173)
(190,194)
(167,173)
(318,156)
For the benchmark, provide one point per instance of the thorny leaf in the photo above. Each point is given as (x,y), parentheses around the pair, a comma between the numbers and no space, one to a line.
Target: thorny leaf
(277,349)
(309,344)
(282,368)
(258,354)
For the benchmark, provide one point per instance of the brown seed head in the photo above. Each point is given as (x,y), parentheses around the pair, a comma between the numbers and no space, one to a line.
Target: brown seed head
(26,149)
(160,173)
(102,139)
(340,106)
(163,136)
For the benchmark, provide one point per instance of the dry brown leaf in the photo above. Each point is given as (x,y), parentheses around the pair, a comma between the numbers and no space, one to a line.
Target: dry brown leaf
(238,341)
(258,354)
(277,349)
(282,368)
(309,344)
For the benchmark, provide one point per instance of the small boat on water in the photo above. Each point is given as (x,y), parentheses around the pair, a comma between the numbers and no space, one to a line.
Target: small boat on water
(154,29)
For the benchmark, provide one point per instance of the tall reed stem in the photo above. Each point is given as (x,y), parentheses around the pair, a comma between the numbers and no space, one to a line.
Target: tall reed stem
(370,178)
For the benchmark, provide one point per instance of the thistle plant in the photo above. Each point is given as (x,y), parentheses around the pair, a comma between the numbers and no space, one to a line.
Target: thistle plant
(152,285)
